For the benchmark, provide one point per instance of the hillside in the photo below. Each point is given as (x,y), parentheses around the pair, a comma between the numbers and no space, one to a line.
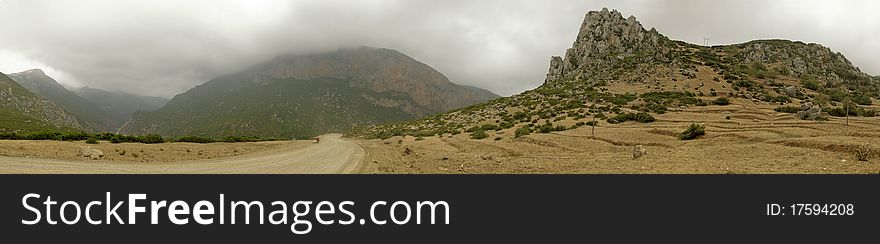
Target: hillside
(23,111)
(617,71)
(307,95)
(91,115)
(119,106)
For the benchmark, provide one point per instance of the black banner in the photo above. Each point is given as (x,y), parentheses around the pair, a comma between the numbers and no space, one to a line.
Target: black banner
(481,208)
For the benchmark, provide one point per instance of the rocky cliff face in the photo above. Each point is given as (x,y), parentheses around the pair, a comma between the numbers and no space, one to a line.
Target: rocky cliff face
(610,47)
(16,99)
(605,40)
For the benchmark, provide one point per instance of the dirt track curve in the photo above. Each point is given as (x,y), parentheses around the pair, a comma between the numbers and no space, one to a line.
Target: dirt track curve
(333,155)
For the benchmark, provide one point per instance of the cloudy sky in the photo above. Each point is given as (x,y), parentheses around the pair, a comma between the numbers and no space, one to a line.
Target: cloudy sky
(164,47)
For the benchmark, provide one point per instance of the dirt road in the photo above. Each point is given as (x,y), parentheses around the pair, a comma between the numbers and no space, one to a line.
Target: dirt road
(332,155)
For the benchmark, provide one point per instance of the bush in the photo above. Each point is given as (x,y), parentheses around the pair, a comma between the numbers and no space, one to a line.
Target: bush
(522,131)
(479,135)
(810,84)
(693,132)
(787,109)
(639,117)
(546,128)
(837,112)
(656,108)
(92,140)
(196,139)
(490,127)
(150,139)
(861,99)
(722,101)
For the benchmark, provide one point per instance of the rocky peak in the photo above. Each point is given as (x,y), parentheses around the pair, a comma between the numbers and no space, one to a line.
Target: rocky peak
(800,59)
(37,81)
(604,39)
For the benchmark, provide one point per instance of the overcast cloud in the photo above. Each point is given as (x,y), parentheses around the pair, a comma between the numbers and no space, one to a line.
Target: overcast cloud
(165,47)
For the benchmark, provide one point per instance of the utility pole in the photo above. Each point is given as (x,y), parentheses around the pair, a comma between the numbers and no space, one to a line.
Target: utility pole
(705,41)
(594,126)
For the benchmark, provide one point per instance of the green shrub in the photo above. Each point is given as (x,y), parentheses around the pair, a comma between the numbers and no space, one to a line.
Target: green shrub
(488,127)
(810,84)
(837,112)
(546,128)
(656,108)
(721,101)
(861,99)
(693,132)
(787,109)
(92,140)
(479,135)
(639,117)
(150,139)
(196,139)
(522,131)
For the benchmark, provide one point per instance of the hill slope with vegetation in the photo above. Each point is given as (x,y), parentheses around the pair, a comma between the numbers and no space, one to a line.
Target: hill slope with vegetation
(616,71)
(307,95)
(22,111)
(39,83)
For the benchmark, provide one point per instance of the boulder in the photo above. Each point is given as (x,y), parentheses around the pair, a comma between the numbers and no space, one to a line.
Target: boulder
(809,111)
(91,153)
(639,151)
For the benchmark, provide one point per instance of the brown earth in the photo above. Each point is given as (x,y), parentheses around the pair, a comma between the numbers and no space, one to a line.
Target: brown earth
(332,155)
(755,140)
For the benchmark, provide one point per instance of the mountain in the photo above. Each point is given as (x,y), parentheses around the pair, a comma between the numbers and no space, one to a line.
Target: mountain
(119,106)
(616,67)
(92,116)
(482,94)
(23,111)
(307,95)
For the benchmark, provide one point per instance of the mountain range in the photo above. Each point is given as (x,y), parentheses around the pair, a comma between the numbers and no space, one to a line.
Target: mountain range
(22,111)
(307,95)
(97,110)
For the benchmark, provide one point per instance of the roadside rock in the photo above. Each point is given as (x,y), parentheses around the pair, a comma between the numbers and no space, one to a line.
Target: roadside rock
(639,151)
(91,153)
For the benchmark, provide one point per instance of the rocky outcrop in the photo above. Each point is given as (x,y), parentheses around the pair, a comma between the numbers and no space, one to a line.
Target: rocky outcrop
(607,40)
(639,151)
(800,59)
(91,153)
(809,111)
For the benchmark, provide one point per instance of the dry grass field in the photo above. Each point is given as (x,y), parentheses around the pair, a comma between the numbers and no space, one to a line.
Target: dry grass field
(755,139)
(135,152)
